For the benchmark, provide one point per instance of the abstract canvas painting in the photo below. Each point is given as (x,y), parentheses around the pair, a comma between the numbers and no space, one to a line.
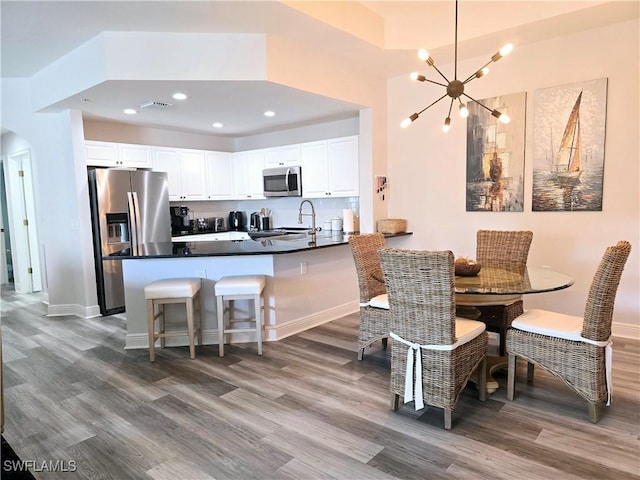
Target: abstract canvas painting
(569,134)
(495,155)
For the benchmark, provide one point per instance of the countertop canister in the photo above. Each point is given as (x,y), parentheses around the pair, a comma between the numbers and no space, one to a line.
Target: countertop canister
(336,224)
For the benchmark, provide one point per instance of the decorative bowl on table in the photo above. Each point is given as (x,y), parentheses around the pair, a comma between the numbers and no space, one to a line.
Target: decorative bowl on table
(466,268)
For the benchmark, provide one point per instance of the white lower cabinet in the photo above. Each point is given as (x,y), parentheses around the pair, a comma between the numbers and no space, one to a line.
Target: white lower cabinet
(247,174)
(330,168)
(185,170)
(219,167)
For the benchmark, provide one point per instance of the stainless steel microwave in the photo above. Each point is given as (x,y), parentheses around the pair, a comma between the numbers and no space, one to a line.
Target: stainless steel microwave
(282,182)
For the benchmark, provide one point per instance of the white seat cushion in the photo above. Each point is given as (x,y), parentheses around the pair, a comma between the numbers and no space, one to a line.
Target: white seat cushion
(172,288)
(467,330)
(381,301)
(551,324)
(240,285)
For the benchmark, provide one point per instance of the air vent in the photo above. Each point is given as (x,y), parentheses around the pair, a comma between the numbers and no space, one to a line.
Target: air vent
(155,105)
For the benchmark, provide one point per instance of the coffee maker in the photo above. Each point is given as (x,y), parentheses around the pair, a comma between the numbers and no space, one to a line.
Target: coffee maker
(180,220)
(236,221)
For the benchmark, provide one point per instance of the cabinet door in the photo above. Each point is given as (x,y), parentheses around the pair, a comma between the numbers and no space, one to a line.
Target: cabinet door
(137,156)
(101,154)
(288,155)
(192,172)
(247,174)
(168,160)
(314,169)
(342,157)
(219,175)
(256,166)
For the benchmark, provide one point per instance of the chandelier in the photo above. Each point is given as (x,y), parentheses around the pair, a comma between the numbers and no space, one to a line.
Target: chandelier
(455,87)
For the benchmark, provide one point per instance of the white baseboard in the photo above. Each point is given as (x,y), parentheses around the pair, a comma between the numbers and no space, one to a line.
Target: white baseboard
(625,330)
(73,310)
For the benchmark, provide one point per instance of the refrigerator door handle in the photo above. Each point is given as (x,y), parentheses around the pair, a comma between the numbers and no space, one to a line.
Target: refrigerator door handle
(132,199)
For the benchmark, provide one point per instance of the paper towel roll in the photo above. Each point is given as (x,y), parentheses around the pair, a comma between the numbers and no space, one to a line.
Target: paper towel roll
(348,221)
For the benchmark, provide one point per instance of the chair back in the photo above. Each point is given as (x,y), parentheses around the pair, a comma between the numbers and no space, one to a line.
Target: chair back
(420,285)
(598,312)
(496,248)
(365,255)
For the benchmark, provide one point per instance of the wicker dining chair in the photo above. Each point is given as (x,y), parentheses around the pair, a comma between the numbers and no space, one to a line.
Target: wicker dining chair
(433,353)
(575,349)
(374,306)
(498,248)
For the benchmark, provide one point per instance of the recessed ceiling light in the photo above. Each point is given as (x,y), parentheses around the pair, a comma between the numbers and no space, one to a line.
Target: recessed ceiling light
(129,111)
(179,96)
(269,113)
(217,125)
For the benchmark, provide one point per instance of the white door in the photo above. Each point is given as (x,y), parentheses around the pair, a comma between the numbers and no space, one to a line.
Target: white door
(24,236)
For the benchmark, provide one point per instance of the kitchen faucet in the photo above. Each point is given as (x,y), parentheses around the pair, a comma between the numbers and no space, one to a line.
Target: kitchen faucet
(312,214)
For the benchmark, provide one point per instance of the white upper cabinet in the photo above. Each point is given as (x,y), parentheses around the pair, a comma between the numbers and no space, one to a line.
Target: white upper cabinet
(286,156)
(108,154)
(185,171)
(330,168)
(315,174)
(343,165)
(138,156)
(219,167)
(247,174)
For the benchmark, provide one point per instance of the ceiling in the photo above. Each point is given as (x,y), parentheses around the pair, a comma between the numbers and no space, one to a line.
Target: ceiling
(35,34)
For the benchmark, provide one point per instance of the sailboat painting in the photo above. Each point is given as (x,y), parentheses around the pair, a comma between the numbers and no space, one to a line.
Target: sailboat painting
(569,134)
(495,155)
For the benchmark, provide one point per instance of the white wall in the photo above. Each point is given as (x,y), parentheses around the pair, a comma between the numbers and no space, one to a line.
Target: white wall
(61,202)
(427,168)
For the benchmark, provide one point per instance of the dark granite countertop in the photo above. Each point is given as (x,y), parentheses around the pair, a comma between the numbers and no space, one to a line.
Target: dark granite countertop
(262,246)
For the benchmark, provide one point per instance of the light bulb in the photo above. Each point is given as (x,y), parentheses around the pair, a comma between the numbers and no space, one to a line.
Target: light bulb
(447,124)
(414,75)
(482,72)
(423,54)
(506,50)
(504,118)
(407,121)
(464,111)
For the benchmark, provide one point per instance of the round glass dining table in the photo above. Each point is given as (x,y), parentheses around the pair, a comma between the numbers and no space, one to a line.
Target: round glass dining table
(512,281)
(494,293)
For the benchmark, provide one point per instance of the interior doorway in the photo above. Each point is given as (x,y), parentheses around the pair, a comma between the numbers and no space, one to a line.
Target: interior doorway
(23,238)
(6,264)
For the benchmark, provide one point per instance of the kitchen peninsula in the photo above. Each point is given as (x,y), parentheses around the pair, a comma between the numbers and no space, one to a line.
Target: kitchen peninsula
(311,280)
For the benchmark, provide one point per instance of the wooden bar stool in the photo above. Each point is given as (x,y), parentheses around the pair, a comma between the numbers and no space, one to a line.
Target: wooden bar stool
(173,290)
(242,287)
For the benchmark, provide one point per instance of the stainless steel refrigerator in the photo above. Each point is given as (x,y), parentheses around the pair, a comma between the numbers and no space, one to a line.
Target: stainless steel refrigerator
(128,209)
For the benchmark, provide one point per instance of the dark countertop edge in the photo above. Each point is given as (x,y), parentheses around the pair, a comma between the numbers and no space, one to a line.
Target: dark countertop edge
(241,254)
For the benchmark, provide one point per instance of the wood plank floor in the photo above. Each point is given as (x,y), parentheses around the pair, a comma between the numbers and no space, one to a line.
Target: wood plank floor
(306,409)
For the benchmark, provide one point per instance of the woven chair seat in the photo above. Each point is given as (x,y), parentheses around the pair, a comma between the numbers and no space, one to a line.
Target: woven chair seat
(374,309)
(497,248)
(575,349)
(433,354)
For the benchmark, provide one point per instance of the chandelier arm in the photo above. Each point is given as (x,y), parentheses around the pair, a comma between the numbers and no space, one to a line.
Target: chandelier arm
(476,101)
(473,75)
(432,104)
(437,83)
(441,74)
(450,107)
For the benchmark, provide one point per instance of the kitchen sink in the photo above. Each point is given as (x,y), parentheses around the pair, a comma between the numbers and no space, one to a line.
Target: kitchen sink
(278,234)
